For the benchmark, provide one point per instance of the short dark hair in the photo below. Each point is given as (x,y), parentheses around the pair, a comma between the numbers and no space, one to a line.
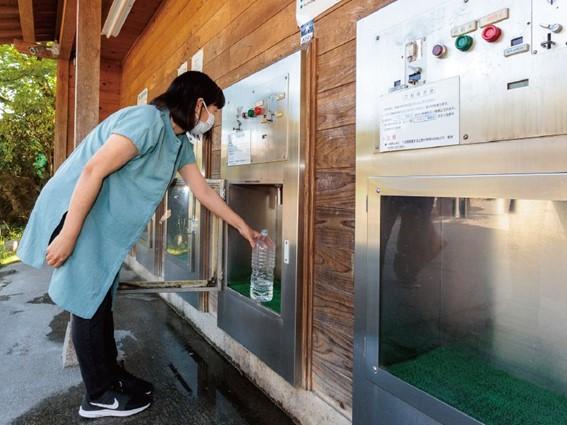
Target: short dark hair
(182,94)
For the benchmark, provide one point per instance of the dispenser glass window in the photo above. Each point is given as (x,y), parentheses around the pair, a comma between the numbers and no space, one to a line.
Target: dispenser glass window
(473,303)
(260,205)
(145,235)
(177,242)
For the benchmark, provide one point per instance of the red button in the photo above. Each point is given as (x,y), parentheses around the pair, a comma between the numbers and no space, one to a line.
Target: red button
(258,110)
(439,50)
(491,33)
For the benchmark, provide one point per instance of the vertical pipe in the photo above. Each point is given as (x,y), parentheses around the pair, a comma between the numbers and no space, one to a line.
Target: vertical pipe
(61,113)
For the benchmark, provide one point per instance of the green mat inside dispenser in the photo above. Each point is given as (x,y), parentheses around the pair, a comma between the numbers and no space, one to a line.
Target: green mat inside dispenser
(463,379)
(242,286)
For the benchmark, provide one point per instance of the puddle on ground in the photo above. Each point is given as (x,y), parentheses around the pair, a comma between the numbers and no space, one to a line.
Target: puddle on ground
(43,299)
(7,297)
(5,273)
(205,375)
(58,327)
(4,281)
(16,349)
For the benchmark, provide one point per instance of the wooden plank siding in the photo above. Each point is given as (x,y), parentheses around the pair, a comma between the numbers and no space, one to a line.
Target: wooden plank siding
(238,38)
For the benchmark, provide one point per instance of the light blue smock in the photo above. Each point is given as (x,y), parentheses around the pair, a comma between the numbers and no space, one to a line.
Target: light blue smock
(127,199)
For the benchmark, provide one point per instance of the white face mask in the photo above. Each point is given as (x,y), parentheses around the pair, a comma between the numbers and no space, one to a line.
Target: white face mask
(202,127)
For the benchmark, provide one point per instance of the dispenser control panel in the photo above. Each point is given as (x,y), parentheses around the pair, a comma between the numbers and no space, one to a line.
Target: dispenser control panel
(255,121)
(449,72)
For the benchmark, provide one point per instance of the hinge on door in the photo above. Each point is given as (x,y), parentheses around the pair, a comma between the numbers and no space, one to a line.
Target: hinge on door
(140,286)
(165,216)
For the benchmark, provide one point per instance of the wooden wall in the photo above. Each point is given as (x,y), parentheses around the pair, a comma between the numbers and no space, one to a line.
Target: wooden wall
(240,37)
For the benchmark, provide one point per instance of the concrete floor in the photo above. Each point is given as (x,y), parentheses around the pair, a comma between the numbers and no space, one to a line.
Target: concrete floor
(194,384)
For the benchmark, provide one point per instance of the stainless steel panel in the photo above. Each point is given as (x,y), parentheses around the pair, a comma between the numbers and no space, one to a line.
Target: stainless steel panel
(267,195)
(283,141)
(490,109)
(269,130)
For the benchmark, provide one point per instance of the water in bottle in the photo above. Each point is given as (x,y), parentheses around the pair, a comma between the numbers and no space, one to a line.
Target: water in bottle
(263,263)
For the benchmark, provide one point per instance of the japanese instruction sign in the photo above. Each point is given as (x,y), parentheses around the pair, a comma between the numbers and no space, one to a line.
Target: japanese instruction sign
(239,148)
(420,117)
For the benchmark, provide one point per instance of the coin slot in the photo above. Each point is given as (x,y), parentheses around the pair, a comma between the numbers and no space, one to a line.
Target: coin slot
(518,84)
(517,41)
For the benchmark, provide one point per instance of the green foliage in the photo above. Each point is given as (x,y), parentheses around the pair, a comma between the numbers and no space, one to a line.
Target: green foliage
(27,114)
(8,233)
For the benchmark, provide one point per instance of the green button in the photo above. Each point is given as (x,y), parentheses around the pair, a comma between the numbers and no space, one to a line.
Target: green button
(251,113)
(464,42)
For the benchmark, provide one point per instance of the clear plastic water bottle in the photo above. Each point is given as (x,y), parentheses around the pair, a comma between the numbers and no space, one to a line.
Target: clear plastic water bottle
(263,263)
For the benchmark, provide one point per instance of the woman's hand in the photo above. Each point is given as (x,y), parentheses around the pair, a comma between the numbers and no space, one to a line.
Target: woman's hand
(59,250)
(255,237)
(249,234)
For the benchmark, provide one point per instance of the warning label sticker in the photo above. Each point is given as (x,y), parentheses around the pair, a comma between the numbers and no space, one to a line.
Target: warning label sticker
(420,117)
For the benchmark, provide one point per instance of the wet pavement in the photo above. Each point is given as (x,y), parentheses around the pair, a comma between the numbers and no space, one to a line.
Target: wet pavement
(194,384)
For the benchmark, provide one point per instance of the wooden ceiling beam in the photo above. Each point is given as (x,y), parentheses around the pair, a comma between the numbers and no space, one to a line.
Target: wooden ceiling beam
(26,20)
(35,49)
(68,28)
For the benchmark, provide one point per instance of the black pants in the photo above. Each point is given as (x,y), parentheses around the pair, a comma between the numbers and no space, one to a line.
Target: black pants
(94,342)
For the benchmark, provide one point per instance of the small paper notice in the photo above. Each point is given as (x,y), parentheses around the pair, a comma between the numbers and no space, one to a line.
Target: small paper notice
(420,117)
(239,148)
(182,68)
(197,61)
(143,97)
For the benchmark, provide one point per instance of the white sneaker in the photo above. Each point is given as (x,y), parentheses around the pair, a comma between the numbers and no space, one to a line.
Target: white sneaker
(114,403)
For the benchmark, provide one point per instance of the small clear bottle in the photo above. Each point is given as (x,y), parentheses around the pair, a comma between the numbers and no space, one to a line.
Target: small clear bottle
(263,264)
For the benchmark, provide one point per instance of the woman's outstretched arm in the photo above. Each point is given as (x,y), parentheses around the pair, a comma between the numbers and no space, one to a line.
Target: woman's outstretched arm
(111,156)
(213,202)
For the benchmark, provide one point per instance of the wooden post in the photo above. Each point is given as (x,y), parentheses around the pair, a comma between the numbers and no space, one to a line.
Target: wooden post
(309,127)
(87,71)
(61,113)
(27,20)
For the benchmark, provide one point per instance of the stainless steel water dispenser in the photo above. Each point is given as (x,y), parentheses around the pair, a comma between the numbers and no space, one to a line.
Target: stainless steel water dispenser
(261,164)
(461,208)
